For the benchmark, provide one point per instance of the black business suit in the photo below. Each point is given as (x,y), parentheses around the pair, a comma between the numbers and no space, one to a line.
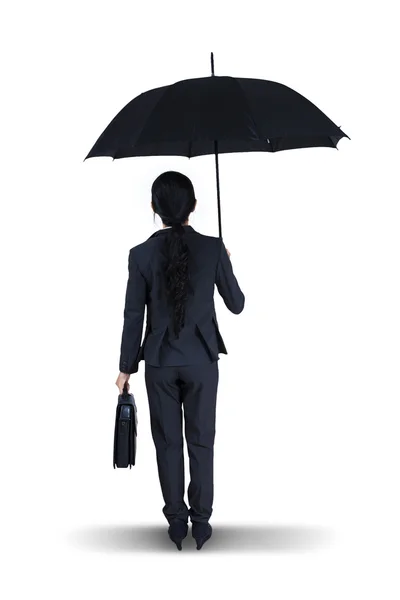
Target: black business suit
(183,371)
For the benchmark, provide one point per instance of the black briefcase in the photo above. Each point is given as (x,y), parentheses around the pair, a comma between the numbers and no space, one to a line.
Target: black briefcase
(125,433)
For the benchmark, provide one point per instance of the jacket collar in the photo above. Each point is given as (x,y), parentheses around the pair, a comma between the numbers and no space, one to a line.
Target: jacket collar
(188,229)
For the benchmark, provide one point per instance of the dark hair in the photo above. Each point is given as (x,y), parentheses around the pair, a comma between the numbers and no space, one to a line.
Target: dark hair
(173,200)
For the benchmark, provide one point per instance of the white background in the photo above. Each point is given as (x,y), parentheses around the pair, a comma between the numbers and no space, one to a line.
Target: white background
(307,446)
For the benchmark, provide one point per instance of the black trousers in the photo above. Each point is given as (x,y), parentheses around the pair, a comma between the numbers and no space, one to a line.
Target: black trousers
(193,387)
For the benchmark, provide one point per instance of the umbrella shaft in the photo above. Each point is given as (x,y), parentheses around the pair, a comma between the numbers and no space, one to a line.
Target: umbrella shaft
(218,194)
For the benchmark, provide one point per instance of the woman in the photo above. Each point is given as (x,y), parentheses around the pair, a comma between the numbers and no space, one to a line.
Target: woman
(173,273)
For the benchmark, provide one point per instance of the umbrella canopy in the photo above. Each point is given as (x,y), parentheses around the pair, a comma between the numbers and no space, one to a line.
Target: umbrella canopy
(216,115)
(243,115)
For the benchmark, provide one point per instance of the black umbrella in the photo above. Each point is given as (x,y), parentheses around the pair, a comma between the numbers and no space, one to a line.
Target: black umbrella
(215,115)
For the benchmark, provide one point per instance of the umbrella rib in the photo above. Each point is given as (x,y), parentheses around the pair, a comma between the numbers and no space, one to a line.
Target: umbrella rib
(164,91)
(248,109)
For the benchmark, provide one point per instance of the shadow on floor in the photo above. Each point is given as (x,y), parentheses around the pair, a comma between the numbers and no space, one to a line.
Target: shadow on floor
(235,538)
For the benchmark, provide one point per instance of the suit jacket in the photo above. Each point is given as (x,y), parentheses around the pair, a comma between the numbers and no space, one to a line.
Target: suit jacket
(200,338)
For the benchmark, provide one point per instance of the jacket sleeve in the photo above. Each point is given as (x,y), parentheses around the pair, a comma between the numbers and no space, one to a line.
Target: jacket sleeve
(227,283)
(135,303)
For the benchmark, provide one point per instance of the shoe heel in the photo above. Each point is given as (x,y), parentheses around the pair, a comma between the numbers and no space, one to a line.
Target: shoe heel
(200,541)
(177,535)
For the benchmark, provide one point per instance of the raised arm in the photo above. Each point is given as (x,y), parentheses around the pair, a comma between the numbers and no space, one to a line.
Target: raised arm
(135,303)
(227,283)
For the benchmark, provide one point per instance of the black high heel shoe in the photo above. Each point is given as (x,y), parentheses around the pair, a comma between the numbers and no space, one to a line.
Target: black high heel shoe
(201,533)
(177,532)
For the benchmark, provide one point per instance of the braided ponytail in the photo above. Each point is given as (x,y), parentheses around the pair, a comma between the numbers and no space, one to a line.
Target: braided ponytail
(173,200)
